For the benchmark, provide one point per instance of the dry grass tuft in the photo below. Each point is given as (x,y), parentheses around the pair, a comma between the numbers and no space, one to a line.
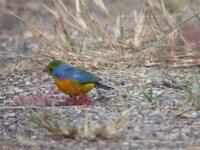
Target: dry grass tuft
(113,130)
(82,38)
(44,120)
(88,130)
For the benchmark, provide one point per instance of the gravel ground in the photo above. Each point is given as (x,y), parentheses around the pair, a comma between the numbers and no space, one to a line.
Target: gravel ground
(144,129)
(168,122)
(173,124)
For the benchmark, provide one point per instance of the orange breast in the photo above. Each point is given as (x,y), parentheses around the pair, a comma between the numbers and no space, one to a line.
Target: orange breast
(72,87)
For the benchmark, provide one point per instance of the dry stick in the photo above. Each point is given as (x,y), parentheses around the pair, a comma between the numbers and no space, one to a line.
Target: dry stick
(169,19)
(172,29)
(139,58)
(154,34)
(102,6)
(168,32)
(95,22)
(176,26)
(121,30)
(65,20)
(30,25)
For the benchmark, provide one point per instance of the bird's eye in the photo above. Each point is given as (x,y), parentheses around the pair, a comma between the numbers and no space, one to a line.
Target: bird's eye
(50,69)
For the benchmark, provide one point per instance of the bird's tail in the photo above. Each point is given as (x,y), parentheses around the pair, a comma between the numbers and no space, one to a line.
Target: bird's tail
(99,85)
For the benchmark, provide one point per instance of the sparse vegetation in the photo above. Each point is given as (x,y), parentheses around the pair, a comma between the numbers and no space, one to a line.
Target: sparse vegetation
(111,130)
(149,97)
(193,95)
(121,42)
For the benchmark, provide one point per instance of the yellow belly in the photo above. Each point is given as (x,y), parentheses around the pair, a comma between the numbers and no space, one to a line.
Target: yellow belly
(72,87)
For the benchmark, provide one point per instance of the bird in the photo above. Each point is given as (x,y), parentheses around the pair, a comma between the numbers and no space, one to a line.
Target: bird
(71,80)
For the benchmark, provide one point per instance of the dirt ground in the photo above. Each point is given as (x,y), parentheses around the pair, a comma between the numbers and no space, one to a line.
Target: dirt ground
(161,113)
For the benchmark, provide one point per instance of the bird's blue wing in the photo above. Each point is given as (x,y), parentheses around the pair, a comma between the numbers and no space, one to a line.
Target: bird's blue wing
(84,76)
(61,71)
(68,72)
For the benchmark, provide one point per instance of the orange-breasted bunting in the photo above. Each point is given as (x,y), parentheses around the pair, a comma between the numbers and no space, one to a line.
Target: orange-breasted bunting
(72,80)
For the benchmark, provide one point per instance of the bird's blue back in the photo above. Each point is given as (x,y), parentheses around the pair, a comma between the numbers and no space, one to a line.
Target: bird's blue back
(65,71)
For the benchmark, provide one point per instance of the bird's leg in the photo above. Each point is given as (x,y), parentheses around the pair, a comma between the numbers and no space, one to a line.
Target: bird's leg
(82,99)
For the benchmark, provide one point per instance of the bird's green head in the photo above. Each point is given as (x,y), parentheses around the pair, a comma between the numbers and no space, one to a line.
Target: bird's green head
(50,68)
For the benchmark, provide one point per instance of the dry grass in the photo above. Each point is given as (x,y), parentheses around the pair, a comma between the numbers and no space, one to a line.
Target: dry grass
(192,91)
(90,129)
(156,28)
(81,38)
